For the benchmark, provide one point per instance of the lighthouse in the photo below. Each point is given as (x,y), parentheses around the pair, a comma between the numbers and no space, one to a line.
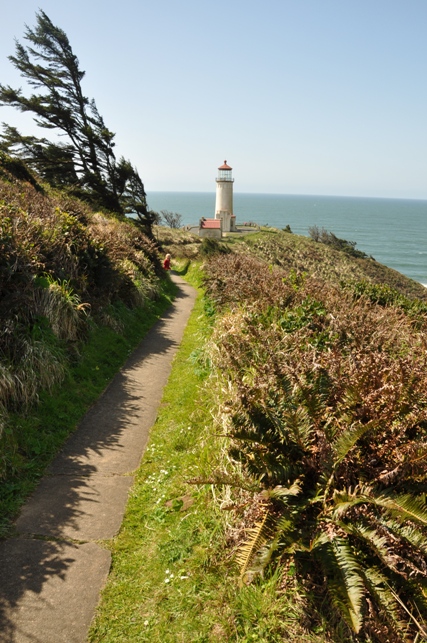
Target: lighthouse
(224,198)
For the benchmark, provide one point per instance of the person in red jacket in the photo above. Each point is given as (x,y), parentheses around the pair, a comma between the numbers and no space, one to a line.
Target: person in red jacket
(167,262)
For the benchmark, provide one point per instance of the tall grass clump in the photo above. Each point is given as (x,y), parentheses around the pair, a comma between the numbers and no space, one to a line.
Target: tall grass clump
(61,307)
(325,407)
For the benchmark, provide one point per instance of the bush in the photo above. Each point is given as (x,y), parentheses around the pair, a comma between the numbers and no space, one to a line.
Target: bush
(385,295)
(329,239)
(327,416)
(171,219)
(60,264)
(211,247)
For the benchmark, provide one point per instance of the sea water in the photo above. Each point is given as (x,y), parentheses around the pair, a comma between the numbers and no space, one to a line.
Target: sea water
(393,231)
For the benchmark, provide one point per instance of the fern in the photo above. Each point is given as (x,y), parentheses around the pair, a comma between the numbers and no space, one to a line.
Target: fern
(345,499)
(373,540)
(409,534)
(415,607)
(404,507)
(379,588)
(347,440)
(285,493)
(328,410)
(260,534)
(345,580)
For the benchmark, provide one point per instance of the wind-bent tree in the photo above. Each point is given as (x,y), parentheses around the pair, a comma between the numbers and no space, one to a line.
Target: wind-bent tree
(172,219)
(86,161)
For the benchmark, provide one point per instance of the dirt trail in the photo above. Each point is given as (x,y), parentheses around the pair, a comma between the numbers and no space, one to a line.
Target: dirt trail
(52,571)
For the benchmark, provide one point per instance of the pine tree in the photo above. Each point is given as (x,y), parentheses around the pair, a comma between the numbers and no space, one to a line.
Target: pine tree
(86,162)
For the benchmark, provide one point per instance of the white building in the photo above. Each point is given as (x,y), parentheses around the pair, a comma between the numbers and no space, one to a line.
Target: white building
(224,198)
(210,228)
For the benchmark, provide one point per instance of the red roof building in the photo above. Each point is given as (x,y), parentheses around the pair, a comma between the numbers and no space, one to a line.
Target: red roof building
(210,224)
(210,228)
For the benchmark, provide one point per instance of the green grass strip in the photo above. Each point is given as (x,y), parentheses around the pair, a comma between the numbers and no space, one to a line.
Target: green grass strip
(166,560)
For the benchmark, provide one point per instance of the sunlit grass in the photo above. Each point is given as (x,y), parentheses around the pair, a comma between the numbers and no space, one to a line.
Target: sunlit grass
(174,577)
(167,565)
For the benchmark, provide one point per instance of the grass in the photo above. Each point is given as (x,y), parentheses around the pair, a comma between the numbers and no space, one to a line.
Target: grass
(173,577)
(167,565)
(39,433)
(301,254)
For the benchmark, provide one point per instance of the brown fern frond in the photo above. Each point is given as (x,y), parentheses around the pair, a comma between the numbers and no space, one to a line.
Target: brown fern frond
(248,553)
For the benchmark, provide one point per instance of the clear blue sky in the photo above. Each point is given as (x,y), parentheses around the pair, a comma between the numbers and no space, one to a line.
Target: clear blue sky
(300,96)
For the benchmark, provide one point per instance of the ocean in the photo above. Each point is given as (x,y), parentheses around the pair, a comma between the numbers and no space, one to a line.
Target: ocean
(393,231)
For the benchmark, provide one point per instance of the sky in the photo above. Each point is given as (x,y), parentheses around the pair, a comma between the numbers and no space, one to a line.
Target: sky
(324,97)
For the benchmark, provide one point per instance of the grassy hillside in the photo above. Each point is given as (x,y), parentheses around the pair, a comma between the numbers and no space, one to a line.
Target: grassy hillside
(303,472)
(302,254)
(322,379)
(70,278)
(297,253)
(319,363)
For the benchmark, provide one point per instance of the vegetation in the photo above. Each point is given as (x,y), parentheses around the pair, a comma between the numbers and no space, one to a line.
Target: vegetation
(282,494)
(293,252)
(327,417)
(174,576)
(85,164)
(178,242)
(67,275)
(311,480)
(171,219)
(328,238)
(33,435)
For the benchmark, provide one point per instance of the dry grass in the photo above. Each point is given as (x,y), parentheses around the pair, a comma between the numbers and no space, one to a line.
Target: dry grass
(303,255)
(181,244)
(303,363)
(61,265)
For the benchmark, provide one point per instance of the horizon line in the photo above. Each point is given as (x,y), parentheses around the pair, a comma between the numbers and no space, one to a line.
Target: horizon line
(293,194)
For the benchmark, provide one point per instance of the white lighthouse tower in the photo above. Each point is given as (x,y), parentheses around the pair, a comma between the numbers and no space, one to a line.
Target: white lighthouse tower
(224,198)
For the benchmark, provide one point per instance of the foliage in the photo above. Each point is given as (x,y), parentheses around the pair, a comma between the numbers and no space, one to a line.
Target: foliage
(385,295)
(280,326)
(15,168)
(326,410)
(302,255)
(62,268)
(172,578)
(211,247)
(85,162)
(32,434)
(328,238)
(171,219)
(180,243)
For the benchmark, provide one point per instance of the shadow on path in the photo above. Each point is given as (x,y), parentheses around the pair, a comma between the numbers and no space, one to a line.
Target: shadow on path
(52,572)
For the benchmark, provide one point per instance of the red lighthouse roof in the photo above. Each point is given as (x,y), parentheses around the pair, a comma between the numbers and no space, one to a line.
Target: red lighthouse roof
(225,166)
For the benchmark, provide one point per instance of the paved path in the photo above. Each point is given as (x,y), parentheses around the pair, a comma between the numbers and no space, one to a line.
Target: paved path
(52,572)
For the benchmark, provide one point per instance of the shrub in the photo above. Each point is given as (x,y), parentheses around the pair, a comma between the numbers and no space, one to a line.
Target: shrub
(326,413)
(211,247)
(329,239)
(171,219)
(385,295)
(60,263)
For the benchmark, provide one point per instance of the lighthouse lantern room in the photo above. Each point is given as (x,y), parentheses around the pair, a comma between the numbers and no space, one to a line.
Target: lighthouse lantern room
(224,198)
